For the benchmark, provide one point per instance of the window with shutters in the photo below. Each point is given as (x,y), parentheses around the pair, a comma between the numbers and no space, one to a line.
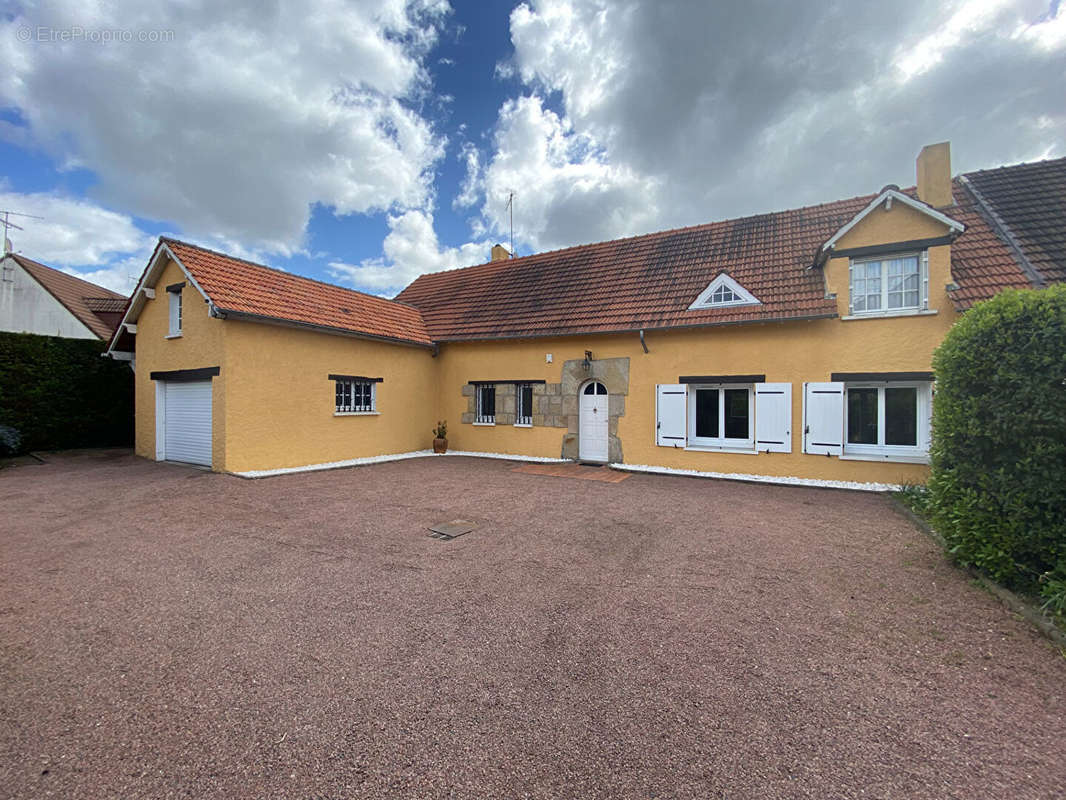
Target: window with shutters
(739,418)
(523,405)
(887,419)
(721,417)
(486,405)
(355,396)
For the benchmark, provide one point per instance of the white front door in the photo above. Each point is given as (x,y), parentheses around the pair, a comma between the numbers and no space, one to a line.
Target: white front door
(186,421)
(592,423)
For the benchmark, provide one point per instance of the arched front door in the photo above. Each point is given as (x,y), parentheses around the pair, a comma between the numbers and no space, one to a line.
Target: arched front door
(592,423)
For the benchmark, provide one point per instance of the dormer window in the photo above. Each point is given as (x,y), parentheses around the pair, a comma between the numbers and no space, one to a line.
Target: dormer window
(724,292)
(895,284)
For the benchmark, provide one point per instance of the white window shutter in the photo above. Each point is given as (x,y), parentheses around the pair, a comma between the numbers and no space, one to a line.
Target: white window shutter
(823,418)
(773,417)
(670,414)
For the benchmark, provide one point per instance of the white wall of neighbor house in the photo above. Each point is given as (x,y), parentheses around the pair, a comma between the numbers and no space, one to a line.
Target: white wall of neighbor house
(27,307)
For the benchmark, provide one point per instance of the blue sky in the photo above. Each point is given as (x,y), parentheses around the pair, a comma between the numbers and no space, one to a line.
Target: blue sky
(365,143)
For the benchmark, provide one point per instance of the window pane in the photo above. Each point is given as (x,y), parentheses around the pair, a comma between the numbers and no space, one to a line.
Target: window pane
(862,416)
(901,416)
(601,389)
(490,401)
(736,413)
(590,389)
(707,413)
(525,404)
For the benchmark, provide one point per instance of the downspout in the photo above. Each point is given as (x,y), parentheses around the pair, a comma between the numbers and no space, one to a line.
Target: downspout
(642,342)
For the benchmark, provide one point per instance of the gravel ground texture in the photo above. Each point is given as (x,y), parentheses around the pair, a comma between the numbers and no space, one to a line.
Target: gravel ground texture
(172,633)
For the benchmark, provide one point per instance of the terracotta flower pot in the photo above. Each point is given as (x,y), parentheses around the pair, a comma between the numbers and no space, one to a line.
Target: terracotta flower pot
(440,445)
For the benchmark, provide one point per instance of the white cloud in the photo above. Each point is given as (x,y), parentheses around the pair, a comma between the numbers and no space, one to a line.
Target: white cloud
(411,249)
(470,189)
(566,191)
(672,113)
(80,237)
(241,122)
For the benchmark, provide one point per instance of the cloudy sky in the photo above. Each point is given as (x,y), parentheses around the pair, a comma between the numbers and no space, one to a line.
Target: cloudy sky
(367,142)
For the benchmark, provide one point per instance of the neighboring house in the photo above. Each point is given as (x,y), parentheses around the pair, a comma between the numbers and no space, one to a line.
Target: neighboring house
(38,299)
(789,345)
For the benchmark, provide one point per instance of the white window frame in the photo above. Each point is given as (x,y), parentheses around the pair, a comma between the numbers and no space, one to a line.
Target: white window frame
(720,442)
(479,417)
(923,285)
(724,281)
(340,410)
(892,452)
(174,311)
(523,420)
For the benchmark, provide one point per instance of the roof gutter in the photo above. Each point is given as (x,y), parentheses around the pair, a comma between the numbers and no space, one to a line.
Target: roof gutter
(245,316)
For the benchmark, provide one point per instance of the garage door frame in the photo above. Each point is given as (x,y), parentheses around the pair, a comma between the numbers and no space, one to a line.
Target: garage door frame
(161,379)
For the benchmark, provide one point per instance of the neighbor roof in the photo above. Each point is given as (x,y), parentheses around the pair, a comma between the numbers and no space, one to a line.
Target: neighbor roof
(97,308)
(241,287)
(649,282)
(1029,202)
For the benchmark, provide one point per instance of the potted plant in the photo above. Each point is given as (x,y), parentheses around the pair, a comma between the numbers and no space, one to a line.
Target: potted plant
(440,437)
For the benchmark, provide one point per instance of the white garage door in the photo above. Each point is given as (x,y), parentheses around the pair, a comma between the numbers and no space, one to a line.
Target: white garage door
(187,421)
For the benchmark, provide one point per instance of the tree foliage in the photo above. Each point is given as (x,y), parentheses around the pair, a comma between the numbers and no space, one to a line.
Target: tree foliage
(998,483)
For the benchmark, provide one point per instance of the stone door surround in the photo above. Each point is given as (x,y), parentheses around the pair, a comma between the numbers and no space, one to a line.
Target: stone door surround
(555,405)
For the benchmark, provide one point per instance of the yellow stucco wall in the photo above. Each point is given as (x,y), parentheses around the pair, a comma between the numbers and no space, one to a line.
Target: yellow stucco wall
(200,345)
(793,352)
(273,402)
(280,401)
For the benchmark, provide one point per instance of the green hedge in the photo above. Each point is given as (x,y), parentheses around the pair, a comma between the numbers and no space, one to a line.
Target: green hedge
(58,394)
(998,482)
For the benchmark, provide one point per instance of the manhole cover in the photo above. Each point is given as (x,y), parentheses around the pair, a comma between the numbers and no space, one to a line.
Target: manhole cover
(446,531)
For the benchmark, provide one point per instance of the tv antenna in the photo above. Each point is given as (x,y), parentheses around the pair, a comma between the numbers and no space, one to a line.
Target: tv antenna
(8,224)
(510,207)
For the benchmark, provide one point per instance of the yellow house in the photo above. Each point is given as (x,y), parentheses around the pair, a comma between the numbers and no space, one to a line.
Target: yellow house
(793,346)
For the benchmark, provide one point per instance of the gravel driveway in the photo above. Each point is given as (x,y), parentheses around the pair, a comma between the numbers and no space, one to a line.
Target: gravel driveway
(167,632)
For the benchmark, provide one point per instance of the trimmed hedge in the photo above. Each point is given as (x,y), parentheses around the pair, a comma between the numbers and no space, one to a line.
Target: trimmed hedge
(998,482)
(57,394)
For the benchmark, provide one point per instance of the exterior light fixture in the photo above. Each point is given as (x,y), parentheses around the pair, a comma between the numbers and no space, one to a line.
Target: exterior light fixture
(588,360)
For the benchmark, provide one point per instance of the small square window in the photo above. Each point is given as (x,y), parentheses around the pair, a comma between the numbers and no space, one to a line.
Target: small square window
(354,396)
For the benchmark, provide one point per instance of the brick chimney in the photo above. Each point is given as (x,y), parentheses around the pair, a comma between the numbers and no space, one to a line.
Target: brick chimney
(499,252)
(934,174)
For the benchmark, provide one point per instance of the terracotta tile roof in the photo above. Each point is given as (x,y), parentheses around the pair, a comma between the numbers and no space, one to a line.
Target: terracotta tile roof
(83,299)
(982,263)
(643,282)
(243,287)
(650,281)
(1029,201)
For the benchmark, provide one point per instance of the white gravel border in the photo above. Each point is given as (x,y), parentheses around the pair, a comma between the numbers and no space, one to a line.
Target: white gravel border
(739,476)
(358,462)
(691,473)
